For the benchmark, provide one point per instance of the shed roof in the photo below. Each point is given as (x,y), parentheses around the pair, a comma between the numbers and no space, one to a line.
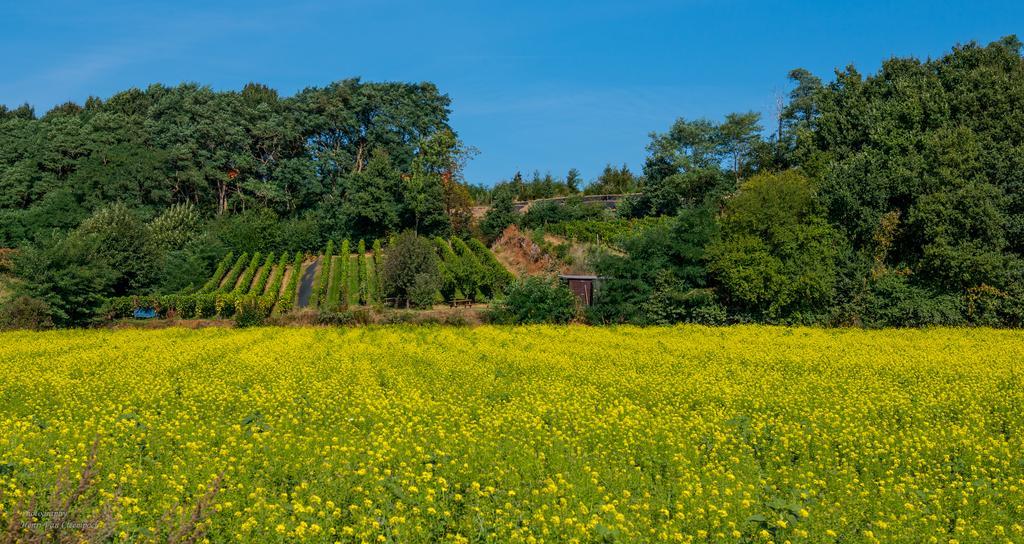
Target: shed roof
(577,277)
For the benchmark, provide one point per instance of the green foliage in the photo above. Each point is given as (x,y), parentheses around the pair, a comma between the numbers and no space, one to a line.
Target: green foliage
(549,212)
(338,279)
(228,284)
(245,280)
(895,302)
(250,231)
(352,280)
(603,231)
(361,271)
(499,216)
(497,277)
(274,285)
(777,255)
(614,181)
(409,268)
(475,274)
(25,312)
(218,275)
(660,273)
(261,280)
(287,300)
(223,151)
(124,242)
(176,226)
(323,277)
(449,269)
(252,310)
(535,300)
(937,143)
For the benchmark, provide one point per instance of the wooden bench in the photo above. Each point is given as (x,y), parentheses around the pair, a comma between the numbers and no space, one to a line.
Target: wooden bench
(461,302)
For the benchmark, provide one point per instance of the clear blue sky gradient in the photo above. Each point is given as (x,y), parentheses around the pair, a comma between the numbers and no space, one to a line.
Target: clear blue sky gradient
(535,85)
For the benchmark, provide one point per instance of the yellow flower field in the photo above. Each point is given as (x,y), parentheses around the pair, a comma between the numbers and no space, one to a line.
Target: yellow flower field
(530,434)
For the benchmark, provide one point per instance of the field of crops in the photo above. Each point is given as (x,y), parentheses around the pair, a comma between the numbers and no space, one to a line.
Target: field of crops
(540,434)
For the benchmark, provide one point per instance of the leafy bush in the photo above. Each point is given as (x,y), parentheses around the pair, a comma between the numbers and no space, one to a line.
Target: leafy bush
(535,300)
(378,257)
(549,212)
(214,282)
(338,278)
(409,269)
(24,312)
(501,214)
(895,302)
(604,231)
(63,271)
(361,270)
(475,272)
(424,288)
(252,310)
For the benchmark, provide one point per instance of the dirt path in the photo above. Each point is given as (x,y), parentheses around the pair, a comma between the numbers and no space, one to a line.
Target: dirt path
(306,283)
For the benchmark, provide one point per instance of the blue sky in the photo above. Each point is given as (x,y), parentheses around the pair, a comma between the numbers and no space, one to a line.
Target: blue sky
(535,85)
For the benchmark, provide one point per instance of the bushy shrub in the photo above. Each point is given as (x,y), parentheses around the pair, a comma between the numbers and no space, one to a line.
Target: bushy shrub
(421,294)
(252,310)
(362,273)
(24,312)
(410,269)
(535,300)
(894,301)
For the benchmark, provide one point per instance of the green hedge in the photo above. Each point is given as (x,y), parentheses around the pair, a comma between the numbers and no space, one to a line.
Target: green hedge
(245,282)
(275,281)
(228,284)
(287,300)
(194,306)
(222,268)
(261,280)
(498,277)
(603,231)
(323,277)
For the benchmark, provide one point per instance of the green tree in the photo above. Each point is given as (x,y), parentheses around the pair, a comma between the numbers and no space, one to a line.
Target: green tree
(776,256)
(410,269)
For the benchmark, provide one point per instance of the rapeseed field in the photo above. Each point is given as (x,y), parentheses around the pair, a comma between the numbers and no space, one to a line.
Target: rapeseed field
(529,434)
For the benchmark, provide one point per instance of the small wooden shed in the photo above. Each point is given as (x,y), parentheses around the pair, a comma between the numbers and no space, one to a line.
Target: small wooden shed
(582,285)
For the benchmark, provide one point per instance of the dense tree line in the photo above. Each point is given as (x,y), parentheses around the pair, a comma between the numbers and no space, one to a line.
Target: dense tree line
(351,158)
(146,191)
(888,199)
(895,198)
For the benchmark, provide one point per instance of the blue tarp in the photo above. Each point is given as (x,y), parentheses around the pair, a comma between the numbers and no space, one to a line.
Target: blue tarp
(144,313)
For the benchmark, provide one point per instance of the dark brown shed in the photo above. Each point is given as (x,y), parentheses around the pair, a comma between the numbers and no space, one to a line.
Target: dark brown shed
(581,285)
